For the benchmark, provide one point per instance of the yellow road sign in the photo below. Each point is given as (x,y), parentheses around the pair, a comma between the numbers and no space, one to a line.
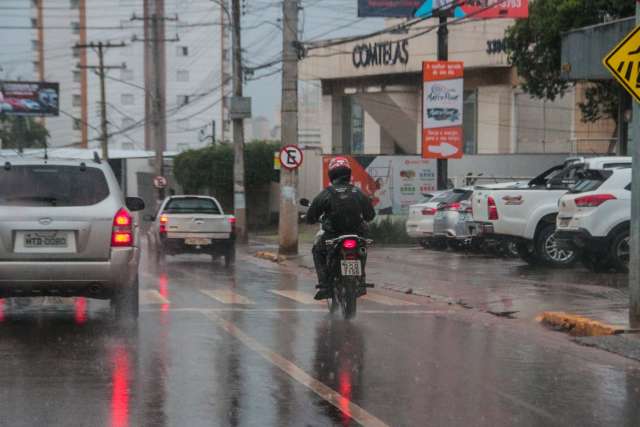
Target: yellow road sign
(624,63)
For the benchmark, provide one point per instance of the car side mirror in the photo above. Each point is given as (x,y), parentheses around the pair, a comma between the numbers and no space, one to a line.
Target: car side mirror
(134,204)
(305,202)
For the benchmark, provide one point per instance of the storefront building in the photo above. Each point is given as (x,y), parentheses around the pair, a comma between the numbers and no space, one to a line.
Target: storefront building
(372,96)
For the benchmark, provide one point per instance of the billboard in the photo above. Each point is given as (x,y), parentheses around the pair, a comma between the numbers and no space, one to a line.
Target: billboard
(388,8)
(478,9)
(393,182)
(29,98)
(442,109)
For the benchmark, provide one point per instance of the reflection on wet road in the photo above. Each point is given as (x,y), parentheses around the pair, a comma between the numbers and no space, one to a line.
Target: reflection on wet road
(250,347)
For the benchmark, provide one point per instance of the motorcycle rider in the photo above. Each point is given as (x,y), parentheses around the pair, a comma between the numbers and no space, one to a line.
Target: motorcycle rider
(342,209)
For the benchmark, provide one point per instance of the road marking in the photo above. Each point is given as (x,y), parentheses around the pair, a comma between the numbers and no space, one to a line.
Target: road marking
(151,296)
(226,296)
(297,296)
(385,300)
(296,310)
(340,402)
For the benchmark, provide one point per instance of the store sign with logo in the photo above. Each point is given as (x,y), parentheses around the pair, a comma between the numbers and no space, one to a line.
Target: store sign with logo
(381,54)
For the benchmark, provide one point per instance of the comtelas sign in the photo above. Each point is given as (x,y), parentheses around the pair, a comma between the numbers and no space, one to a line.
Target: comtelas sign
(382,53)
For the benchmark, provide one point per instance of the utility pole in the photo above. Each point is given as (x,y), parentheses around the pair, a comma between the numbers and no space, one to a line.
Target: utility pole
(288,225)
(101,70)
(634,258)
(239,196)
(225,76)
(155,82)
(443,55)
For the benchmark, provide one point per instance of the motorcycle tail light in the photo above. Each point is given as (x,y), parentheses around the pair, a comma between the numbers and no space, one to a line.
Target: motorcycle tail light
(349,244)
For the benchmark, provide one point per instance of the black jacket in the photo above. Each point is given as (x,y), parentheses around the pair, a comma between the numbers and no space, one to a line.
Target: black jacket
(320,209)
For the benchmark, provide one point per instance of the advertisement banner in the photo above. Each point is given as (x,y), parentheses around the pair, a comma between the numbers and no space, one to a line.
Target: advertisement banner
(393,182)
(442,109)
(388,8)
(29,98)
(477,9)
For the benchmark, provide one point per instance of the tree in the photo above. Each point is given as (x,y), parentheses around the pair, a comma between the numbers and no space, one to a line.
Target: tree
(534,48)
(21,132)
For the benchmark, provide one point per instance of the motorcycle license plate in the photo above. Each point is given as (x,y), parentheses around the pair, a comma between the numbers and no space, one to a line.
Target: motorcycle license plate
(351,268)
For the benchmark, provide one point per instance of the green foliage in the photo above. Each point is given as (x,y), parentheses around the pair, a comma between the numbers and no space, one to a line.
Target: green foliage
(389,231)
(211,168)
(14,130)
(534,47)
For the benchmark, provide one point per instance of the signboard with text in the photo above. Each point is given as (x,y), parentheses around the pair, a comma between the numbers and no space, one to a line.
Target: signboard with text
(388,8)
(19,98)
(393,182)
(476,9)
(442,109)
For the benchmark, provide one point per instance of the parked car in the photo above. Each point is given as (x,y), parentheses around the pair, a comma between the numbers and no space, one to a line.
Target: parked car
(421,219)
(529,214)
(67,230)
(450,220)
(595,216)
(193,225)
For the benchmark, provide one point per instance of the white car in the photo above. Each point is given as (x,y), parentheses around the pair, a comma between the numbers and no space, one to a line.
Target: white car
(421,219)
(529,215)
(595,217)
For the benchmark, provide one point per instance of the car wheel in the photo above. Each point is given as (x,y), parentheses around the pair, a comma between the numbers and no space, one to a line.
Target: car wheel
(620,250)
(526,253)
(425,243)
(125,301)
(439,244)
(456,245)
(550,252)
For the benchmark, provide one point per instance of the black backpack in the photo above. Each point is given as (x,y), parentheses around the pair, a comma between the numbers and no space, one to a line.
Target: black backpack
(346,210)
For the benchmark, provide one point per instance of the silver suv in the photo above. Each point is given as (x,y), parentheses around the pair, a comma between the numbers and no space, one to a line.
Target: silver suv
(67,230)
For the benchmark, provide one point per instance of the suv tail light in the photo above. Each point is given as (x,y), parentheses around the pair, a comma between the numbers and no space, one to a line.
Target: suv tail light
(428,211)
(450,206)
(349,244)
(164,221)
(122,234)
(593,200)
(493,209)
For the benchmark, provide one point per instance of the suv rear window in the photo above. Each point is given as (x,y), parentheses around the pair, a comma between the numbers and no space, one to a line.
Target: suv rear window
(51,185)
(590,180)
(192,205)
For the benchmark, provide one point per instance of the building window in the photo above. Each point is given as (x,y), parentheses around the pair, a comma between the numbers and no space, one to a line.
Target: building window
(76,100)
(126,99)
(183,50)
(75,4)
(77,76)
(183,75)
(470,122)
(77,124)
(75,27)
(127,122)
(353,128)
(126,74)
(183,100)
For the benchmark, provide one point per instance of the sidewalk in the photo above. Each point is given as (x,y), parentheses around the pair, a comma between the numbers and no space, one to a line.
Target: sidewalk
(501,287)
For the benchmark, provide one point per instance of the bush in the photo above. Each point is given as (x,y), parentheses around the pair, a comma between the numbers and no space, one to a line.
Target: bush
(389,231)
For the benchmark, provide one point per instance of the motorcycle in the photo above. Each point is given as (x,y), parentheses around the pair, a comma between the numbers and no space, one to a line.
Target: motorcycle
(346,259)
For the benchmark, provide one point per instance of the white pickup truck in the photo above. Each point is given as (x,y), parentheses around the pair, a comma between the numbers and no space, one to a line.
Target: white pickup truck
(193,225)
(528,215)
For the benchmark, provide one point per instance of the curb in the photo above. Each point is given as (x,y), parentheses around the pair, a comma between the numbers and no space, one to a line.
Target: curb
(270,256)
(577,326)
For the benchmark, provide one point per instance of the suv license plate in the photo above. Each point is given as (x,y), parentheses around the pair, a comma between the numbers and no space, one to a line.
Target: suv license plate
(45,240)
(193,241)
(351,268)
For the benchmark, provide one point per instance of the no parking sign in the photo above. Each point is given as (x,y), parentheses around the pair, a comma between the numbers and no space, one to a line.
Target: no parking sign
(291,157)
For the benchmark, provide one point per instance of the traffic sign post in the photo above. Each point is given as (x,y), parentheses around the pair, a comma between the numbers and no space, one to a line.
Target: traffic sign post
(291,157)
(624,63)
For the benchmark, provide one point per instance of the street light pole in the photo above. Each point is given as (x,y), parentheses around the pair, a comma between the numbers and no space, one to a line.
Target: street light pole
(634,255)
(443,55)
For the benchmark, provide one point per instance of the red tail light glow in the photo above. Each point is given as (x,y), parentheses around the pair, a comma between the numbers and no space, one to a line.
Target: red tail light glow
(349,244)
(593,200)
(493,209)
(451,207)
(428,211)
(122,234)
(164,220)
(232,221)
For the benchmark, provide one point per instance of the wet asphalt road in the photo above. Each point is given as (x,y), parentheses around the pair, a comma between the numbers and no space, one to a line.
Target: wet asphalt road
(248,348)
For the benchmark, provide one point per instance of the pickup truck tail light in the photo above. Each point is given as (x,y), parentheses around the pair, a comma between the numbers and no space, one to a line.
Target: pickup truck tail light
(593,200)
(122,234)
(428,211)
(164,221)
(493,209)
(232,221)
